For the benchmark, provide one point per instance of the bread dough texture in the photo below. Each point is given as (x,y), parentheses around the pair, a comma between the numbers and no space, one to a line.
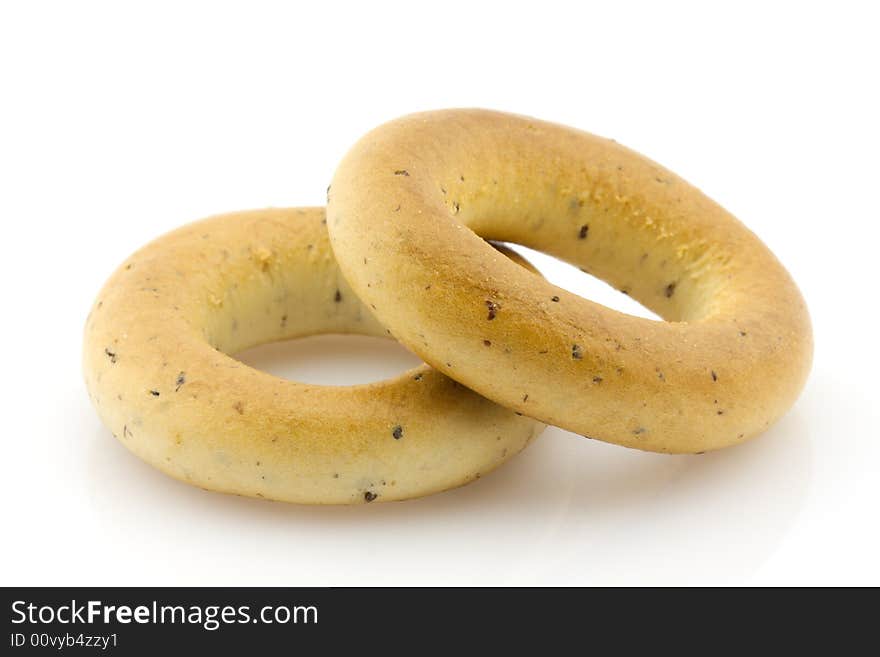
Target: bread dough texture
(157,370)
(409,209)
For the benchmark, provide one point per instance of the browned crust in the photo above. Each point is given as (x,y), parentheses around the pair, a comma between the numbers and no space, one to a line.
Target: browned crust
(155,364)
(730,361)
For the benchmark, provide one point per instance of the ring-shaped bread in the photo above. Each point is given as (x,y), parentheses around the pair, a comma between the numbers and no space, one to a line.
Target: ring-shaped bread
(409,209)
(156,366)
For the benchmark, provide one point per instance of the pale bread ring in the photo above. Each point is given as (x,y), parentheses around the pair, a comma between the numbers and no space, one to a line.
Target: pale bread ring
(406,208)
(156,368)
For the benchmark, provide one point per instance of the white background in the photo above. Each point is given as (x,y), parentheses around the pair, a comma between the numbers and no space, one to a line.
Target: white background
(120,121)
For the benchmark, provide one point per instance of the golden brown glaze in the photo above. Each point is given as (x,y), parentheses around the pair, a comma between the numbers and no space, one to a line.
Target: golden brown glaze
(407,211)
(156,366)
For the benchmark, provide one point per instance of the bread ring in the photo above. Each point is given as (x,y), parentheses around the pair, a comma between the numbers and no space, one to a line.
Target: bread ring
(405,210)
(156,368)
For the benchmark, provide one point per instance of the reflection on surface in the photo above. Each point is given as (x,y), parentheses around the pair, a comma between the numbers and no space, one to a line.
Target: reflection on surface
(566,511)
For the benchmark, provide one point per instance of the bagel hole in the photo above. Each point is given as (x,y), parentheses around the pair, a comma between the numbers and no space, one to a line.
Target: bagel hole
(574,280)
(332,360)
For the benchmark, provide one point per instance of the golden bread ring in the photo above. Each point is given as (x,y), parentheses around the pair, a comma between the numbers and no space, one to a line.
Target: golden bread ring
(405,210)
(156,366)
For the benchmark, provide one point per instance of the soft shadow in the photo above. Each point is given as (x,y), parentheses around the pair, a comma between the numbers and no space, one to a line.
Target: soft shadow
(335,360)
(567,510)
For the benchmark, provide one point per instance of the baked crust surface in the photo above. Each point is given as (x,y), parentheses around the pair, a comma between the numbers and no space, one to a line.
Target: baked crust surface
(157,370)
(407,211)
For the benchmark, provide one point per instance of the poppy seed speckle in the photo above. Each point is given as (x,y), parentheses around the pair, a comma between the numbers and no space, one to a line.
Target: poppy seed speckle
(493,309)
